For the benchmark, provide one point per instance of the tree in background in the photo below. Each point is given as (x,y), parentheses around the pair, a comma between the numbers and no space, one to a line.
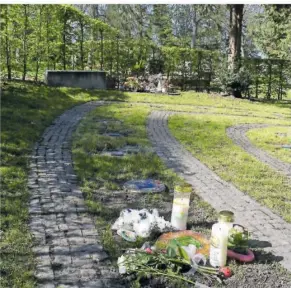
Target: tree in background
(235,36)
(271,31)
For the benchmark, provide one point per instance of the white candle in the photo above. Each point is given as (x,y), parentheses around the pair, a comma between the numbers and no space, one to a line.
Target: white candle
(180,213)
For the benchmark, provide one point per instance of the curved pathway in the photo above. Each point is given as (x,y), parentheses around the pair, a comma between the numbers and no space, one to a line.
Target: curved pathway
(263,224)
(238,134)
(68,251)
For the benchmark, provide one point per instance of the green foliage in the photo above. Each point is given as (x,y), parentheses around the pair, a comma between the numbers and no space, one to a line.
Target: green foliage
(109,243)
(236,83)
(156,265)
(134,40)
(238,239)
(272,31)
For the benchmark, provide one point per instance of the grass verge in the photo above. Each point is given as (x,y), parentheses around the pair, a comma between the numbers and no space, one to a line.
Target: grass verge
(271,139)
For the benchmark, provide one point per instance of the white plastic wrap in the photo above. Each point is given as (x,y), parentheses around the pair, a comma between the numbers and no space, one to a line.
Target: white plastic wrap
(142,222)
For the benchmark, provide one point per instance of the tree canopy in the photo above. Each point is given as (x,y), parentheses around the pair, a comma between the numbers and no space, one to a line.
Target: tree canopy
(129,40)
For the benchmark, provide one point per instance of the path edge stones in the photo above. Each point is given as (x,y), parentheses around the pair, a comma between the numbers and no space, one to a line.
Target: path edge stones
(238,134)
(68,250)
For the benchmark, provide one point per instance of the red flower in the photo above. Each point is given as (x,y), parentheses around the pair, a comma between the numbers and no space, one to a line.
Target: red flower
(226,272)
(149,250)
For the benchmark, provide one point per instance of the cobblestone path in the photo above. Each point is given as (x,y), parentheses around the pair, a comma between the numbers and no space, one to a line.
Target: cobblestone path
(68,251)
(262,223)
(238,135)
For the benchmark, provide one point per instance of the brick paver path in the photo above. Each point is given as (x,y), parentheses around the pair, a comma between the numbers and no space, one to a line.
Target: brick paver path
(264,224)
(68,252)
(238,135)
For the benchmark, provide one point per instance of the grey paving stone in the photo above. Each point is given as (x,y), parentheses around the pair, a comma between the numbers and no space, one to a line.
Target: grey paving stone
(44,274)
(238,134)
(55,203)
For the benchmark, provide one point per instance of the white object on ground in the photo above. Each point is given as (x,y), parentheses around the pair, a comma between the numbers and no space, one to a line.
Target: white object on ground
(218,246)
(121,265)
(190,250)
(142,222)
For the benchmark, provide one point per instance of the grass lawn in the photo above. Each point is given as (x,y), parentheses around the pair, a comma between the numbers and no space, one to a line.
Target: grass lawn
(192,101)
(271,139)
(205,137)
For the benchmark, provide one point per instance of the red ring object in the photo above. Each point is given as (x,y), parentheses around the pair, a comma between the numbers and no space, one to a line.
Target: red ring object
(241,257)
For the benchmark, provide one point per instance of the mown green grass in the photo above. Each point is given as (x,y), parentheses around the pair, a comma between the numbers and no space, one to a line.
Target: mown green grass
(26,110)
(271,139)
(214,101)
(191,101)
(205,136)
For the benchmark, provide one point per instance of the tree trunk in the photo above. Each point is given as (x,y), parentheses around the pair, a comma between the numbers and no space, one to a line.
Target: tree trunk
(235,33)
(38,56)
(269,92)
(117,62)
(280,93)
(47,38)
(25,42)
(102,56)
(81,44)
(64,40)
(7,48)
(194,25)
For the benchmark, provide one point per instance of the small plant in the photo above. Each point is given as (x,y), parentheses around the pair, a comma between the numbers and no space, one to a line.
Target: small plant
(238,239)
(108,242)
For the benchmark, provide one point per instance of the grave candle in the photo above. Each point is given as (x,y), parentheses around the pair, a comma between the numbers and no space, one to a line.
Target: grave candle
(181,206)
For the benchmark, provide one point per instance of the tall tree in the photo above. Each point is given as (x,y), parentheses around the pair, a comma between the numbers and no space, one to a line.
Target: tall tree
(161,24)
(235,35)
(5,37)
(271,31)
(24,42)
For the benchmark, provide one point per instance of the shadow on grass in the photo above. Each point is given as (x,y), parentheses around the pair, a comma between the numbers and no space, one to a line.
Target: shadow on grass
(106,95)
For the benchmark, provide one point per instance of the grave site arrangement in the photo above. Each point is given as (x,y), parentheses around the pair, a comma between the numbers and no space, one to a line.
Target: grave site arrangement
(165,166)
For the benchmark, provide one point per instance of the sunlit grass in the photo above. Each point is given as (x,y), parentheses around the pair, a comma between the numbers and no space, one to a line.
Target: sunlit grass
(272,139)
(213,101)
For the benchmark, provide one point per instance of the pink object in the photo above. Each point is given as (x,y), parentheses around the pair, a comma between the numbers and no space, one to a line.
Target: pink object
(241,257)
(149,250)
